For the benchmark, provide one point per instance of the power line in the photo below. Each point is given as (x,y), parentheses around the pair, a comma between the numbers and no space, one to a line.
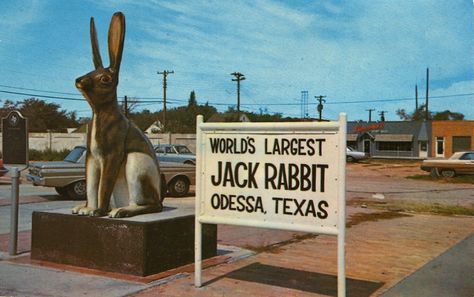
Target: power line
(37,90)
(177,101)
(41,96)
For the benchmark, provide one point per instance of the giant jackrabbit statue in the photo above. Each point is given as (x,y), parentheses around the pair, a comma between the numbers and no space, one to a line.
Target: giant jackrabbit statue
(120,159)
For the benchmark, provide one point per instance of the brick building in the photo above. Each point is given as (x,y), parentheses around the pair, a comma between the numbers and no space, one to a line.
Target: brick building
(449,137)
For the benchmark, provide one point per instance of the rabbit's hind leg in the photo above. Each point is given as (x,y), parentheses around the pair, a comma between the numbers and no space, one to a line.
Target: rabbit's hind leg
(143,181)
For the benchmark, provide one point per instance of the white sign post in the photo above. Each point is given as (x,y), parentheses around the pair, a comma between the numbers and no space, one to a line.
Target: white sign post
(288,176)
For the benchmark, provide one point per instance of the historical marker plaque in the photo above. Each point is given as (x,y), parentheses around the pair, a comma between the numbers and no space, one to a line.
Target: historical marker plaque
(15,139)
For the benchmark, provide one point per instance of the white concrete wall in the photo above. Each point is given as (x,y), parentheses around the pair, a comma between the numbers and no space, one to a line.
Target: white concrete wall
(60,141)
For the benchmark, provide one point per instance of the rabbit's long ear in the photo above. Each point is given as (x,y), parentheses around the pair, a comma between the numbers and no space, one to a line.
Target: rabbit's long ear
(95,47)
(116,38)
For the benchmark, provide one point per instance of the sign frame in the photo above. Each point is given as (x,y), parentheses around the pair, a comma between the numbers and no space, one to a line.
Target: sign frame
(339,128)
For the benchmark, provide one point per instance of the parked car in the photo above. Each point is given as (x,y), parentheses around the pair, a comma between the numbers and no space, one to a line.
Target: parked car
(175,153)
(3,170)
(458,163)
(69,179)
(353,156)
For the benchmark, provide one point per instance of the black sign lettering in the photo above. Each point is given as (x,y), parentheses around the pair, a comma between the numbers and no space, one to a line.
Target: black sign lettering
(292,177)
(238,203)
(230,175)
(232,145)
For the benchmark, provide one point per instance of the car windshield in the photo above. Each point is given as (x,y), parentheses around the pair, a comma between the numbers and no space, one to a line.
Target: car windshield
(456,156)
(75,154)
(183,149)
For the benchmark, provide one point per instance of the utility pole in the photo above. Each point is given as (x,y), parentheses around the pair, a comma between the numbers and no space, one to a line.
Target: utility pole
(416,97)
(427,113)
(304,104)
(125,105)
(370,113)
(382,115)
(320,105)
(238,77)
(165,76)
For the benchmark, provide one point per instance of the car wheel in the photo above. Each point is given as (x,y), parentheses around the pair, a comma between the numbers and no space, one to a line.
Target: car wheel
(350,159)
(62,191)
(448,173)
(178,187)
(77,190)
(434,172)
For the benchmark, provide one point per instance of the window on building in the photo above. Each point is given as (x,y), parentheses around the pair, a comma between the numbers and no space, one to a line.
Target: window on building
(397,146)
(439,146)
(461,143)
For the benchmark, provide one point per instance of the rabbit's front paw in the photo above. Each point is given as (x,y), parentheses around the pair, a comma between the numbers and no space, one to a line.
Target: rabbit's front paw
(89,211)
(76,209)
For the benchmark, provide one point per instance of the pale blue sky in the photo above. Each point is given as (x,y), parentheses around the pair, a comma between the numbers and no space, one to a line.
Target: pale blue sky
(350,51)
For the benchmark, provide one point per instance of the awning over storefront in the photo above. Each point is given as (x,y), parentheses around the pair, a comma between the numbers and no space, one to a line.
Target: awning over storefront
(394,137)
(352,137)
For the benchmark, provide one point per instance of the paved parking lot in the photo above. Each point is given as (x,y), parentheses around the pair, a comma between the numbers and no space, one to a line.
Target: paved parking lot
(384,248)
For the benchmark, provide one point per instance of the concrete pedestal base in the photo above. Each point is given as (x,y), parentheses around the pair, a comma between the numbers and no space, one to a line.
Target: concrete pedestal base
(141,245)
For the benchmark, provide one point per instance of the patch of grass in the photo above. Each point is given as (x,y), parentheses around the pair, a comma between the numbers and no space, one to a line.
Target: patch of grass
(416,207)
(48,155)
(460,179)
(437,208)
(372,165)
(358,218)
(276,247)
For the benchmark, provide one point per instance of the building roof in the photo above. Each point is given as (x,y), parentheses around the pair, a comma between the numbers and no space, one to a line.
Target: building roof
(394,137)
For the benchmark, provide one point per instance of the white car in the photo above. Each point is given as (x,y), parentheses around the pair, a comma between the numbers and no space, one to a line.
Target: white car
(353,156)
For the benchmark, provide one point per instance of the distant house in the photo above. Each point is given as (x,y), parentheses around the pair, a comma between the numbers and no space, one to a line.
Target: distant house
(411,139)
(229,117)
(155,128)
(398,139)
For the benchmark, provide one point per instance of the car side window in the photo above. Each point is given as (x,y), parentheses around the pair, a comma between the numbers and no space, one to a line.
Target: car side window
(468,156)
(169,150)
(159,150)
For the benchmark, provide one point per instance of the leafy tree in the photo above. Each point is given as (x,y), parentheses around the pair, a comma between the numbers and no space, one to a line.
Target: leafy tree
(143,119)
(192,100)
(420,114)
(42,116)
(448,115)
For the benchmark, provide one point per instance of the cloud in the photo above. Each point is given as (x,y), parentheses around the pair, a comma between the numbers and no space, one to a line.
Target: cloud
(347,50)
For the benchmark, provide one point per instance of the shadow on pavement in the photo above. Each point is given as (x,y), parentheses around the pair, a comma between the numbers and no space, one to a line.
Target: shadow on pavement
(306,281)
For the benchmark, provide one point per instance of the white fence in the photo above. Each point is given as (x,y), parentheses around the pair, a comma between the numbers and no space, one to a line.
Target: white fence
(61,141)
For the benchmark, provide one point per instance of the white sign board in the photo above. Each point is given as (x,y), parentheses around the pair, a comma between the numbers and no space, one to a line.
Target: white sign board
(288,176)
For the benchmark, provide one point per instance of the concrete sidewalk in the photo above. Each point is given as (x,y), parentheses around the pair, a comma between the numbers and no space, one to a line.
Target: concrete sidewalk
(382,249)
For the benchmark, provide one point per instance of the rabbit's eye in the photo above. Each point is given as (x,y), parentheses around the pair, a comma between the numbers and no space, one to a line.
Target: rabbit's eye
(105,79)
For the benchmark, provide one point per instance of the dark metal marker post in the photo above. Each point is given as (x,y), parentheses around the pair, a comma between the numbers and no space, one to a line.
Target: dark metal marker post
(12,244)
(15,155)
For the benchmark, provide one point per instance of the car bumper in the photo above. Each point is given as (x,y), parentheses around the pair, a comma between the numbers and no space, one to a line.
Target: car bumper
(36,180)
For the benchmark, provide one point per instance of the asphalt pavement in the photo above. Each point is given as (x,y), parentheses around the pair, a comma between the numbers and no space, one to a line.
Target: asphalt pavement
(450,274)
(438,266)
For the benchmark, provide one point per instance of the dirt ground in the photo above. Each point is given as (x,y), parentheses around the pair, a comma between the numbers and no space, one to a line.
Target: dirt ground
(387,181)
